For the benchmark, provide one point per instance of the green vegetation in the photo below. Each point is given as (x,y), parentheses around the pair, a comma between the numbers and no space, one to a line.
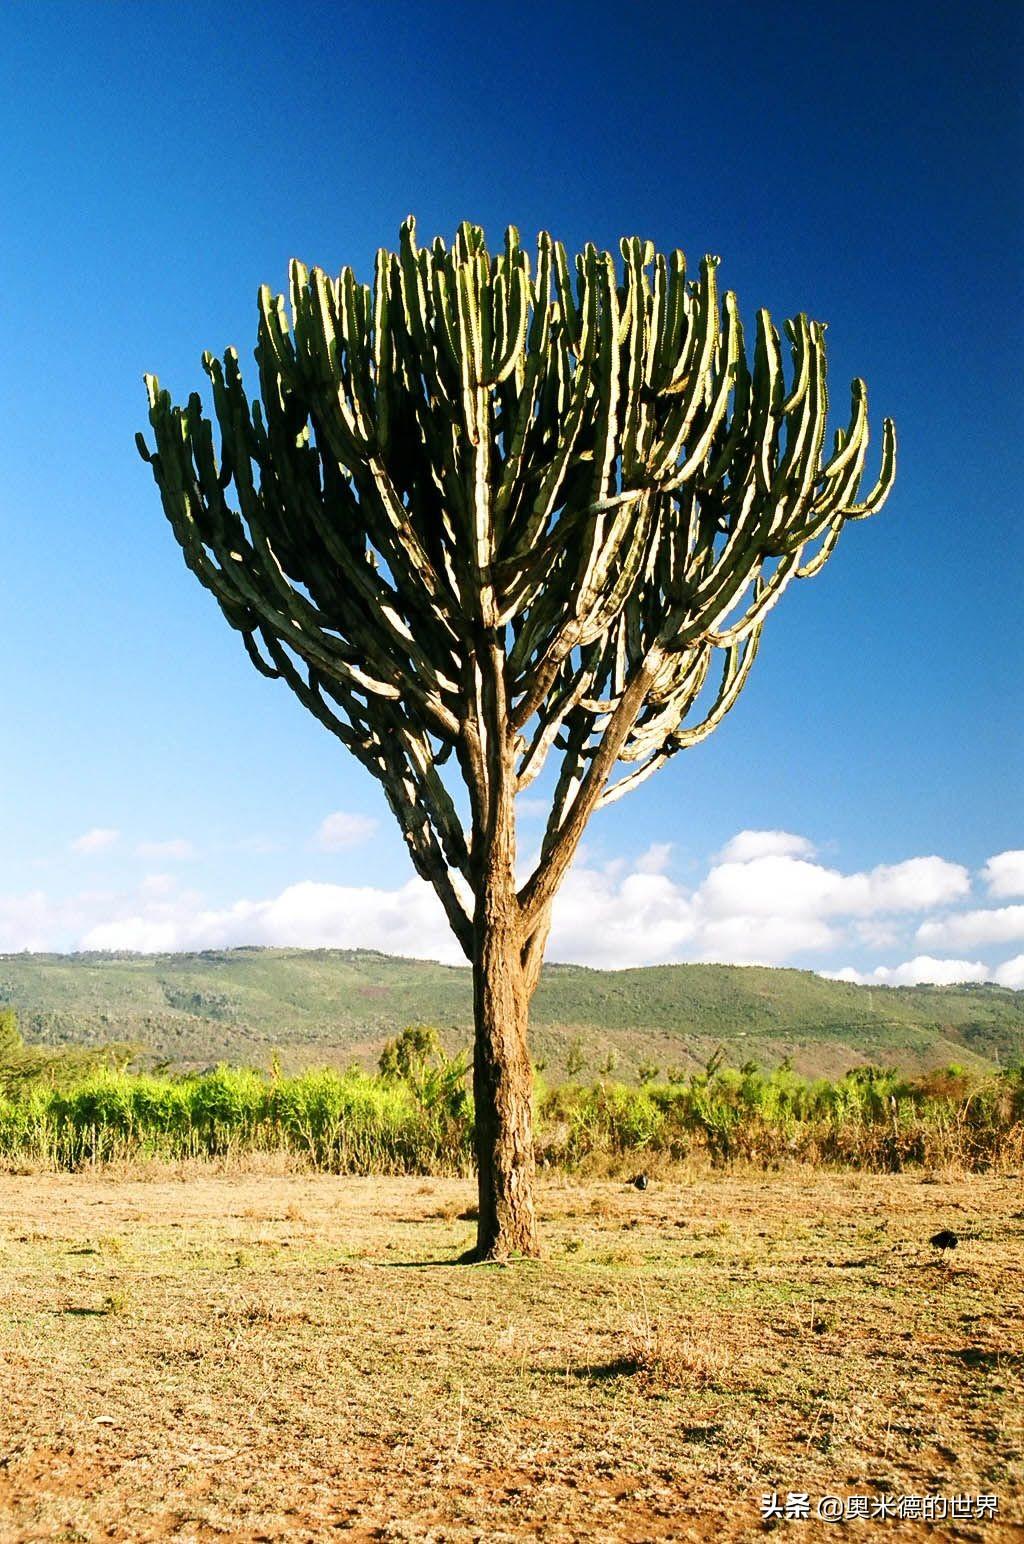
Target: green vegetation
(872,1118)
(337,1007)
(416,1116)
(22,1065)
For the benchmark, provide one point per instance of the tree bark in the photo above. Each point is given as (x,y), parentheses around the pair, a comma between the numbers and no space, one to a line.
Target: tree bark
(505,968)
(502,1093)
(502,1067)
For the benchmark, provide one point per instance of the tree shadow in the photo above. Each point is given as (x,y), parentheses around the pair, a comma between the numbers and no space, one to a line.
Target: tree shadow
(598,1372)
(470,1257)
(416,1265)
(989,1361)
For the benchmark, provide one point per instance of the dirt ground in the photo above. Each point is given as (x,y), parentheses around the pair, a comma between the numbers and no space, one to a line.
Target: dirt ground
(196,1355)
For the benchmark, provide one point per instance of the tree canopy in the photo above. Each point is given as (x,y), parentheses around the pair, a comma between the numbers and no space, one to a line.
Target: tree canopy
(594,471)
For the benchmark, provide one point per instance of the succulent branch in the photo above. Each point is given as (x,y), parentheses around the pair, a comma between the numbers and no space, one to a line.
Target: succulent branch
(570,474)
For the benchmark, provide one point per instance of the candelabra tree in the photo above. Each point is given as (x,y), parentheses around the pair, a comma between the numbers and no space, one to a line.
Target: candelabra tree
(512,511)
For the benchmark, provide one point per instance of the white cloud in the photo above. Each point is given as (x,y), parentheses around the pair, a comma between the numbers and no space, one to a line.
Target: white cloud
(655,859)
(769,886)
(914,885)
(1004,874)
(763,900)
(765,844)
(36,922)
(786,886)
(620,915)
(138,935)
(172,851)
(763,940)
(917,972)
(96,840)
(884,933)
(614,921)
(968,929)
(342,830)
(1011,973)
(407,921)
(761,910)
(26,922)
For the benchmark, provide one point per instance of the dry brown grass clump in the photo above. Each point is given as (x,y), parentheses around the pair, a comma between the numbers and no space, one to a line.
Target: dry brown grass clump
(695,1357)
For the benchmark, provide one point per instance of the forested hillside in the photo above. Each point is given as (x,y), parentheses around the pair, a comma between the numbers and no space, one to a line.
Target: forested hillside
(337,1006)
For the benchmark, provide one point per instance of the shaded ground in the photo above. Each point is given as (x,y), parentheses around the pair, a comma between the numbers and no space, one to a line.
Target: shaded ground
(260,1356)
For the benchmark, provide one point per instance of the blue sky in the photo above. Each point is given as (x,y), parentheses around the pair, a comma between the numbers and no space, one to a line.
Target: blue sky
(161,161)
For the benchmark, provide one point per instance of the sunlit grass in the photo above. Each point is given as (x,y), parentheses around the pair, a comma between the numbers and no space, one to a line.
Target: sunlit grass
(417,1117)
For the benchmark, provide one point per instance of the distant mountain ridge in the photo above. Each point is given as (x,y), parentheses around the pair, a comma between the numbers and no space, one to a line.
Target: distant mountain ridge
(338,1006)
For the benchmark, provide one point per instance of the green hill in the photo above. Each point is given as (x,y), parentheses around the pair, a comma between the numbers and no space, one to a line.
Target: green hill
(339,1006)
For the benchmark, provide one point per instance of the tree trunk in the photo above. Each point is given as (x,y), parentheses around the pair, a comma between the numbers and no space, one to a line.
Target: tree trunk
(502,1068)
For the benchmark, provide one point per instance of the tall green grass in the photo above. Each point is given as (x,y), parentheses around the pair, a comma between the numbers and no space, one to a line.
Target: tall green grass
(417,1117)
(873,1118)
(346,1122)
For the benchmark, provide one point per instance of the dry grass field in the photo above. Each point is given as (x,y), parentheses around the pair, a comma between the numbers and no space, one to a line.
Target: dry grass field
(193,1355)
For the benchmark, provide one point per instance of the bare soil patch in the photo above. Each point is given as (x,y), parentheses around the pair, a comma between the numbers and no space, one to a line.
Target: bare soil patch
(205,1355)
